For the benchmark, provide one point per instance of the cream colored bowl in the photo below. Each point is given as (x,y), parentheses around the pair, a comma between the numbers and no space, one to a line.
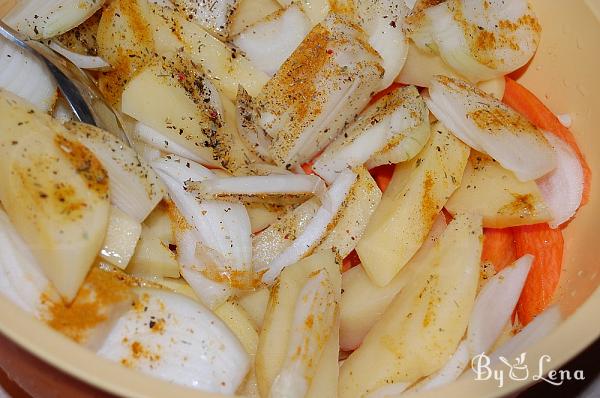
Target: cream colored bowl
(565,73)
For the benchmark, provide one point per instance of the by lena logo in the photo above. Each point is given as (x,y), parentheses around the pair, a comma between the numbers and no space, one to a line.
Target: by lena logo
(518,370)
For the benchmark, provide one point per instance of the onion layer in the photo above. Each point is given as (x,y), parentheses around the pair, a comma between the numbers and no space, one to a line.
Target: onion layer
(43,19)
(26,76)
(487,125)
(172,337)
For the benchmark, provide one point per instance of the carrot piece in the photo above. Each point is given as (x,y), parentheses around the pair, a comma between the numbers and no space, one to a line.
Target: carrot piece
(498,247)
(391,88)
(547,245)
(525,102)
(449,217)
(350,261)
(383,175)
(307,167)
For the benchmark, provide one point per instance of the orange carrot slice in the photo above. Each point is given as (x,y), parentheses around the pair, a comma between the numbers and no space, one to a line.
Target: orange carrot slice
(351,260)
(383,175)
(307,167)
(498,247)
(525,102)
(547,245)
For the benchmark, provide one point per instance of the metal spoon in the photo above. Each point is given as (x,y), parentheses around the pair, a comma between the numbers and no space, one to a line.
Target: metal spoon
(78,89)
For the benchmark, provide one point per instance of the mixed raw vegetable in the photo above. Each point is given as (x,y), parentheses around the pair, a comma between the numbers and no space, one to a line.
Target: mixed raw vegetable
(322,198)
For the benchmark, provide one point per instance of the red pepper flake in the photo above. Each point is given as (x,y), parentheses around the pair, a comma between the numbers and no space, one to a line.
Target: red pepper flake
(329,51)
(181,77)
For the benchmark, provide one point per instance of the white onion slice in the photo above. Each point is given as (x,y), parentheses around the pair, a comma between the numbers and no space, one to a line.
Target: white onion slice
(489,126)
(562,189)
(383,21)
(383,126)
(174,338)
(247,117)
(26,76)
(320,88)
(42,19)
(271,242)
(316,228)
(215,15)
(21,278)
(455,366)
(154,138)
(274,187)
(134,186)
(211,293)
(495,304)
(268,43)
(541,326)
(479,39)
(314,317)
(80,60)
(223,228)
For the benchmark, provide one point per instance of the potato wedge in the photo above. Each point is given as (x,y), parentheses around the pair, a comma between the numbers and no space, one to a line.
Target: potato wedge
(121,238)
(225,66)
(249,12)
(166,99)
(239,322)
(129,37)
(255,305)
(363,302)
(415,196)
(55,192)
(215,16)
(359,206)
(494,192)
(271,242)
(276,330)
(153,258)
(424,324)
(159,224)
(134,187)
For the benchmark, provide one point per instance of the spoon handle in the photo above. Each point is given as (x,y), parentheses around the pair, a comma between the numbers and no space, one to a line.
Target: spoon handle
(78,89)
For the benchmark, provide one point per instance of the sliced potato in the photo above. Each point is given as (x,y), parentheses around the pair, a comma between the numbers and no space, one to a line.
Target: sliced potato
(255,305)
(215,16)
(134,187)
(496,194)
(121,238)
(359,206)
(159,224)
(153,258)
(410,205)
(276,330)
(263,215)
(160,99)
(363,302)
(176,285)
(421,67)
(271,242)
(424,324)
(55,192)
(240,324)
(129,37)
(249,12)
(225,66)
